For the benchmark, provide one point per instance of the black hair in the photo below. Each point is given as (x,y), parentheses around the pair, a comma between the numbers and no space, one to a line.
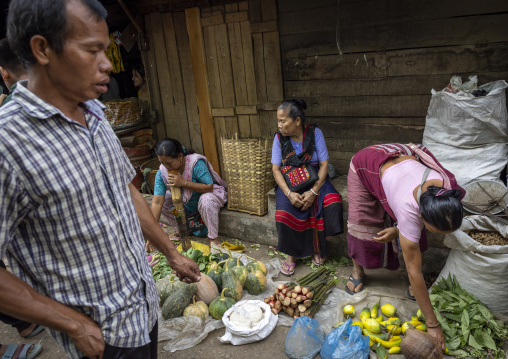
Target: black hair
(443,212)
(172,148)
(47,18)
(295,108)
(9,60)
(140,69)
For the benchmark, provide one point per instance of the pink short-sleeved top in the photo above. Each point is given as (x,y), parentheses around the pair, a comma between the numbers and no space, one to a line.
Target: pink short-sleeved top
(399,182)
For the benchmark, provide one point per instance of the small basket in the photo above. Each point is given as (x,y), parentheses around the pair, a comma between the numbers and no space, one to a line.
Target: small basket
(123,113)
(248,173)
(154,165)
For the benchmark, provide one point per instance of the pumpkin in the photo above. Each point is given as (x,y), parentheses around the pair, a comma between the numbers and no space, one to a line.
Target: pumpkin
(257,265)
(168,285)
(221,257)
(220,305)
(255,282)
(419,345)
(215,273)
(196,309)
(206,289)
(240,271)
(231,284)
(230,263)
(177,302)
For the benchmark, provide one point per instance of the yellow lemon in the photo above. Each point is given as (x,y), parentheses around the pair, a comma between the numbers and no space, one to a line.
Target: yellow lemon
(349,311)
(388,310)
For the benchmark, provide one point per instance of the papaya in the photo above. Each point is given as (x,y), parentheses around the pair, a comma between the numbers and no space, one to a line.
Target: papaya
(176,303)
(231,283)
(240,271)
(255,282)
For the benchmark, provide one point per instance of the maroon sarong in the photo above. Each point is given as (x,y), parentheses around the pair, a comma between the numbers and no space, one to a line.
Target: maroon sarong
(368,206)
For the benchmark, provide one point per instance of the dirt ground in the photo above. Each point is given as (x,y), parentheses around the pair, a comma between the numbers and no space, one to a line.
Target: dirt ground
(211,347)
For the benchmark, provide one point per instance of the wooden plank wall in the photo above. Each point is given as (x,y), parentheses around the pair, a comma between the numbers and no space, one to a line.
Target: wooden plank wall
(171,80)
(393,53)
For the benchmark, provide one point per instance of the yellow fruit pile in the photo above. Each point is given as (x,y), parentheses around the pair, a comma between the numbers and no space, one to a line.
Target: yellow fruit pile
(383,332)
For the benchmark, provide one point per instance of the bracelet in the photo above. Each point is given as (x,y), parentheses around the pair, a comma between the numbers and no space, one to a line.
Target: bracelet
(315,194)
(434,326)
(287,194)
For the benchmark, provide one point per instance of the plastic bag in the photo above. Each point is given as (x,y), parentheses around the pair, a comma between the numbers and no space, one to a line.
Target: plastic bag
(238,335)
(304,339)
(346,342)
(479,269)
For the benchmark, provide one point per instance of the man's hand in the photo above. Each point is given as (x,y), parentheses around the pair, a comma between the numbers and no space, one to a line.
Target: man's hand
(307,199)
(185,268)
(88,338)
(2,98)
(386,235)
(437,335)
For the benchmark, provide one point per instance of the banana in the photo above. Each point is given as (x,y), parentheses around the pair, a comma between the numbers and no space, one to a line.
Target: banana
(388,310)
(390,322)
(394,350)
(349,311)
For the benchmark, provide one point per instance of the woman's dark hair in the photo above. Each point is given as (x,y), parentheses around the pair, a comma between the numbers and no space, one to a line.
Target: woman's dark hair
(444,211)
(140,69)
(172,148)
(48,18)
(295,108)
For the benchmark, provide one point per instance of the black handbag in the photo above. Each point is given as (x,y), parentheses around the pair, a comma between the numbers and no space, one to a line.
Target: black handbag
(195,222)
(299,178)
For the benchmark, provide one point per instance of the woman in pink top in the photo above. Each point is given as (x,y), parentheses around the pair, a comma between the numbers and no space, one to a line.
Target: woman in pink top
(397,191)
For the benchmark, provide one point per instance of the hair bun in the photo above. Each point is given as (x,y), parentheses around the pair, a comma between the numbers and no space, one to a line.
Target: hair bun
(301,102)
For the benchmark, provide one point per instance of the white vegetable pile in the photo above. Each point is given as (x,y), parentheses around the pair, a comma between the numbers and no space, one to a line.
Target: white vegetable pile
(246,315)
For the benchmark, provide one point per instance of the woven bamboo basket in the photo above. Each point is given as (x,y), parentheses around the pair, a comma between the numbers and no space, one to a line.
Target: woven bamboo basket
(248,173)
(123,113)
(154,165)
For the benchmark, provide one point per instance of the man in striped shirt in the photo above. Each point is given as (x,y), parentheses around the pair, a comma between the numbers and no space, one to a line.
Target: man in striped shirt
(71,223)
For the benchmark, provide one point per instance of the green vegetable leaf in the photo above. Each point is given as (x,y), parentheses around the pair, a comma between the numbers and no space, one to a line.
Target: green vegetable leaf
(202,267)
(489,342)
(381,351)
(485,312)
(271,254)
(465,324)
(473,343)
(453,344)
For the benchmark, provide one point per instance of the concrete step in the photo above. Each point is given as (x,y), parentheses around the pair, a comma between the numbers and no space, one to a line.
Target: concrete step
(261,229)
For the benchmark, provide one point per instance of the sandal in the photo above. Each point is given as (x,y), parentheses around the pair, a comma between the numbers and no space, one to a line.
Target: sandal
(20,351)
(321,260)
(38,329)
(289,266)
(355,282)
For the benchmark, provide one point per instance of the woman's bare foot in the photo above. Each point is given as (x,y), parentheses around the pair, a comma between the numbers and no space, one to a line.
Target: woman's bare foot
(215,241)
(288,266)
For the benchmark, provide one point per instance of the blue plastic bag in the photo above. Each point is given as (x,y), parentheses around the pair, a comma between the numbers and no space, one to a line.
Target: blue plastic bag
(346,342)
(304,339)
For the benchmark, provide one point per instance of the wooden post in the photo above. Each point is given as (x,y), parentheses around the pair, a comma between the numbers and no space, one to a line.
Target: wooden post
(179,213)
(197,51)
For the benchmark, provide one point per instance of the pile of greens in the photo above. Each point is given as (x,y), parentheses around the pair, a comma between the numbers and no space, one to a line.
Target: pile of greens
(469,328)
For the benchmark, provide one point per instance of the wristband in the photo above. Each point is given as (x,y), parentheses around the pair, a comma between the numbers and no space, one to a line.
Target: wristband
(287,194)
(314,192)
(434,326)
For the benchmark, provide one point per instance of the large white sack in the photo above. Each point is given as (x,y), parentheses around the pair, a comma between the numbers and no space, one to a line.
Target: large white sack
(481,270)
(469,136)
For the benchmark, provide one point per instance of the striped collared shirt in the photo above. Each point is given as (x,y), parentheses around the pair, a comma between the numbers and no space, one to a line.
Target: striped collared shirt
(68,225)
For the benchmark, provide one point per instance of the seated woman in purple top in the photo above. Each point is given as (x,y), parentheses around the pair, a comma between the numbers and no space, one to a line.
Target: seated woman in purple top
(304,218)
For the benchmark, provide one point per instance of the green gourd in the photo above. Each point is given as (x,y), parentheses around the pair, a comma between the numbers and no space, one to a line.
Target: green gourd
(257,265)
(256,282)
(196,309)
(215,273)
(240,271)
(177,302)
(231,283)
(167,287)
(220,305)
